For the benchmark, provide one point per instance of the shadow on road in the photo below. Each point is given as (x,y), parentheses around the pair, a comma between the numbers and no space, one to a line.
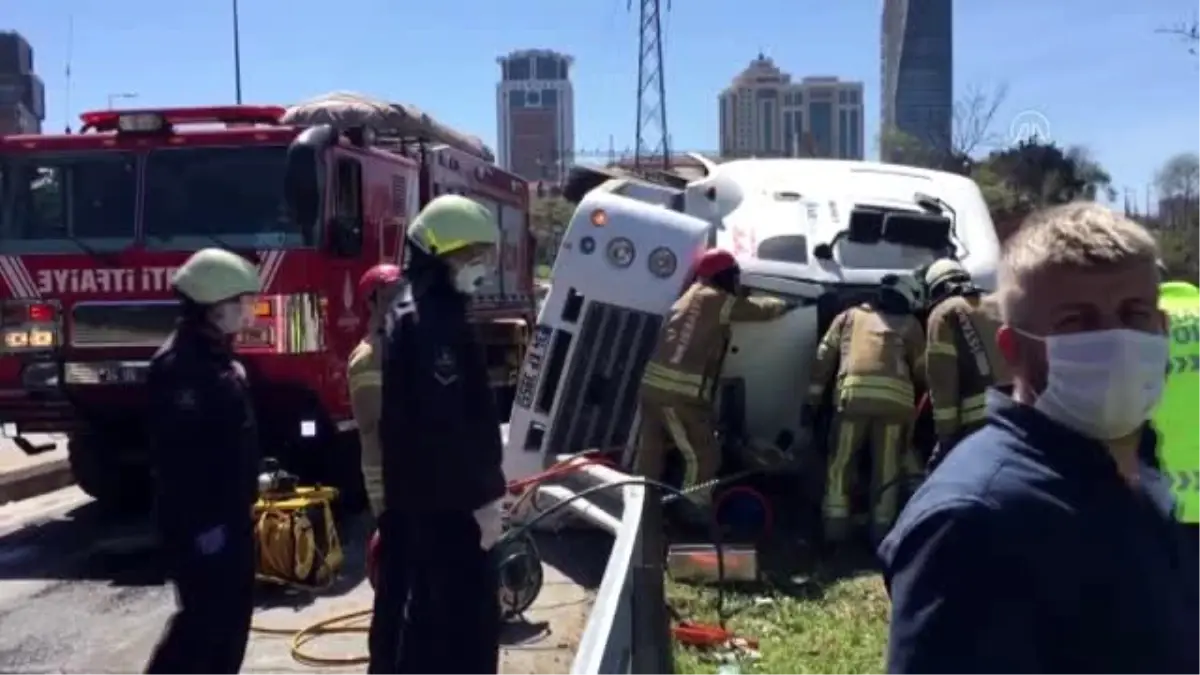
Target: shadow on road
(88,543)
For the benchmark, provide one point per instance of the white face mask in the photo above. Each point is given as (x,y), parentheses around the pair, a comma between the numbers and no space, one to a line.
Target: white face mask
(1104,383)
(470,277)
(232,317)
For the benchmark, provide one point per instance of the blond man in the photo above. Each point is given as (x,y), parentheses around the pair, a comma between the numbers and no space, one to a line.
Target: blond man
(1045,543)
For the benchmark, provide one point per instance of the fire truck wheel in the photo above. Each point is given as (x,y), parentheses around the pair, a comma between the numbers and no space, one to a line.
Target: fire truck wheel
(98,472)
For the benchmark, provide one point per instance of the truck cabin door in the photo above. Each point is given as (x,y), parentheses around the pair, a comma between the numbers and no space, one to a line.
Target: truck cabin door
(348,247)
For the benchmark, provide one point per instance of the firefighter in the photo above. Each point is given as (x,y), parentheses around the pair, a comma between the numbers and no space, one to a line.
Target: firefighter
(204,440)
(961,357)
(679,381)
(376,290)
(873,350)
(442,455)
(1175,419)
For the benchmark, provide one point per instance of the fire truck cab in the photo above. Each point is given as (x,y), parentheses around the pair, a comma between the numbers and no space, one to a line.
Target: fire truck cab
(92,226)
(820,233)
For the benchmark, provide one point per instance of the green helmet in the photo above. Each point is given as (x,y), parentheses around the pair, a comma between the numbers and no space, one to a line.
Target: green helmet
(214,275)
(450,223)
(944,270)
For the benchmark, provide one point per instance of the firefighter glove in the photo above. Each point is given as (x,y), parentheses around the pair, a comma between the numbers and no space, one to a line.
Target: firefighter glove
(490,519)
(211,541)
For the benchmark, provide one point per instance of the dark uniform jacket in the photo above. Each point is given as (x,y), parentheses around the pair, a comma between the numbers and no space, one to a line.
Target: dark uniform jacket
(439,434)
(1029,553)
(203,435)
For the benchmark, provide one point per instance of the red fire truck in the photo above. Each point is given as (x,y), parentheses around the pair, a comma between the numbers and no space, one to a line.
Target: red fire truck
(93,224)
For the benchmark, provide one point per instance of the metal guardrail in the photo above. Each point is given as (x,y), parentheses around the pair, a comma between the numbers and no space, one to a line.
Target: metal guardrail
(607,642)
(628,629)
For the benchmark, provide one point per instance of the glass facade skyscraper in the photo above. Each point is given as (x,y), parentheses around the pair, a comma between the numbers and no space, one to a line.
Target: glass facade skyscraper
(917,64)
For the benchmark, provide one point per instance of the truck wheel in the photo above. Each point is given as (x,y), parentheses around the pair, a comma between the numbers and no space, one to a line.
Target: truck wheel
(99,472)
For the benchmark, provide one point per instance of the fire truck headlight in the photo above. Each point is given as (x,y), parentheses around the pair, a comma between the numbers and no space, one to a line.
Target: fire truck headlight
(662,262)
(41,338)
(621,252)
(16,339)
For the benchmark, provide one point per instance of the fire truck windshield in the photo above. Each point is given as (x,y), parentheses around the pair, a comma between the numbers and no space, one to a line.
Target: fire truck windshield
(231,196)
(67,202)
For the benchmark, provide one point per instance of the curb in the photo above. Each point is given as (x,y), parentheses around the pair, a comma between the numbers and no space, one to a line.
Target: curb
(31,481)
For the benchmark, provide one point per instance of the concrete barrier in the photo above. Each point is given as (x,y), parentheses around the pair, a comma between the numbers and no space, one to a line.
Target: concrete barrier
(607,642)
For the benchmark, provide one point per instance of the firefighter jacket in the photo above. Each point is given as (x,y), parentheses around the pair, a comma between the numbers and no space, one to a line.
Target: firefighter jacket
(203,435)
(876,359)
(364,376)
(961,362)
(691,346)
(1175,417)
(440,438)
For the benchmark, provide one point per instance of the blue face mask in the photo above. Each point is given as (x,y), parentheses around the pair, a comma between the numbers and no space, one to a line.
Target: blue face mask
(1103,384)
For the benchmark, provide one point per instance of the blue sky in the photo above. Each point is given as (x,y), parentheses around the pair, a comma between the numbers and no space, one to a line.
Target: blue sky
(1094,70)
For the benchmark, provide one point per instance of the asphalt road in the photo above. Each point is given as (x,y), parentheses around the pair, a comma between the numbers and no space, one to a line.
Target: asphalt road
(83,592)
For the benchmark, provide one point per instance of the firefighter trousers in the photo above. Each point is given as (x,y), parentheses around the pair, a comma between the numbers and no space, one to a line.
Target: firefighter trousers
(215,596)
(689,427)
(450,622)
(887,441)
(391,593)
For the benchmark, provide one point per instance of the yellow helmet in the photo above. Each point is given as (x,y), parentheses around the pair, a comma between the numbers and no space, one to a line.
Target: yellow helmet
(214,275)
(944,269)
(450,223)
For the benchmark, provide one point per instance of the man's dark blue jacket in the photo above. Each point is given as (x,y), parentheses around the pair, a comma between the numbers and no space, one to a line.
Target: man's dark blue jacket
(1026,551)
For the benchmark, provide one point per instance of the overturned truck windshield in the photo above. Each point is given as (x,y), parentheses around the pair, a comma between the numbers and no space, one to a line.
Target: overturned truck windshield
(190,198)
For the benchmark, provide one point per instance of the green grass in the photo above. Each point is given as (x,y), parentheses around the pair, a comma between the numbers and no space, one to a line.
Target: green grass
(834,622)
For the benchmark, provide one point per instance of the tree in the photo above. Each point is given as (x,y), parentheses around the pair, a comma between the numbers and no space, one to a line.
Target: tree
(1179,176)
(548,217)
(1030,175)
(971,131)
(1188,33)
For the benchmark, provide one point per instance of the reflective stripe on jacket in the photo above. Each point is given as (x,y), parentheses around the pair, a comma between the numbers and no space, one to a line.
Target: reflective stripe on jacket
(961,362)
(365,377)
(875,358)
(693,339)
(1175,418)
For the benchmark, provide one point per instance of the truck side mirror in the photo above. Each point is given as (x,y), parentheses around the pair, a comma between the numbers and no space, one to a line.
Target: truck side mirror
(302,184)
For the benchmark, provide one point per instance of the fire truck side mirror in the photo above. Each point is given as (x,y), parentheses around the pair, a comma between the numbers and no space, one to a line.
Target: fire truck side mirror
(302,179)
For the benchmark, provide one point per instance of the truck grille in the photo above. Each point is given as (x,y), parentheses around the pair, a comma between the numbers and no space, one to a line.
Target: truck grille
(600,398)
(122,324)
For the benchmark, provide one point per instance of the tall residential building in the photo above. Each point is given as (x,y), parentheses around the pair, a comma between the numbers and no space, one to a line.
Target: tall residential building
(917,72)
(765,114)
(535,113)
(22,95)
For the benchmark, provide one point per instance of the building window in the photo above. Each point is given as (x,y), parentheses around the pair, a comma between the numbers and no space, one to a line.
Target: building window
(518,69)
(549,98)
(516,98)
(533,99)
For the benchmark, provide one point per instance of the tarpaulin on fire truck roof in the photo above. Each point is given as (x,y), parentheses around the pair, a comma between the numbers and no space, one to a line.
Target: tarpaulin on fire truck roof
(346,109)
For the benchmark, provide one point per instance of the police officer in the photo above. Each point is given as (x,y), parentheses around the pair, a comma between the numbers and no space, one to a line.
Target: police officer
(961,357)
(677,386)
(1175,418)
(376,289)
(442,455)
(873,350)
(205,445)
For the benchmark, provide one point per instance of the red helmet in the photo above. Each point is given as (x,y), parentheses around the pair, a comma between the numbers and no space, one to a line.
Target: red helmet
(714,261)
(375,278)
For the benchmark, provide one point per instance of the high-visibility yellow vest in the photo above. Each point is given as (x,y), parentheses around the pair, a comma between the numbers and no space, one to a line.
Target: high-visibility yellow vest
(1176,416)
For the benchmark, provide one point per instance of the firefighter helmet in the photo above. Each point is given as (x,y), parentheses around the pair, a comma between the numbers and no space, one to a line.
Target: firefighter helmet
(215,275)
(375,278)
(451,223)
(946,269)
(714,261)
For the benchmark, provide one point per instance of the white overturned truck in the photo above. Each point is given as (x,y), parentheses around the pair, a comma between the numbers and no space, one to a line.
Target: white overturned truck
(821,233)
